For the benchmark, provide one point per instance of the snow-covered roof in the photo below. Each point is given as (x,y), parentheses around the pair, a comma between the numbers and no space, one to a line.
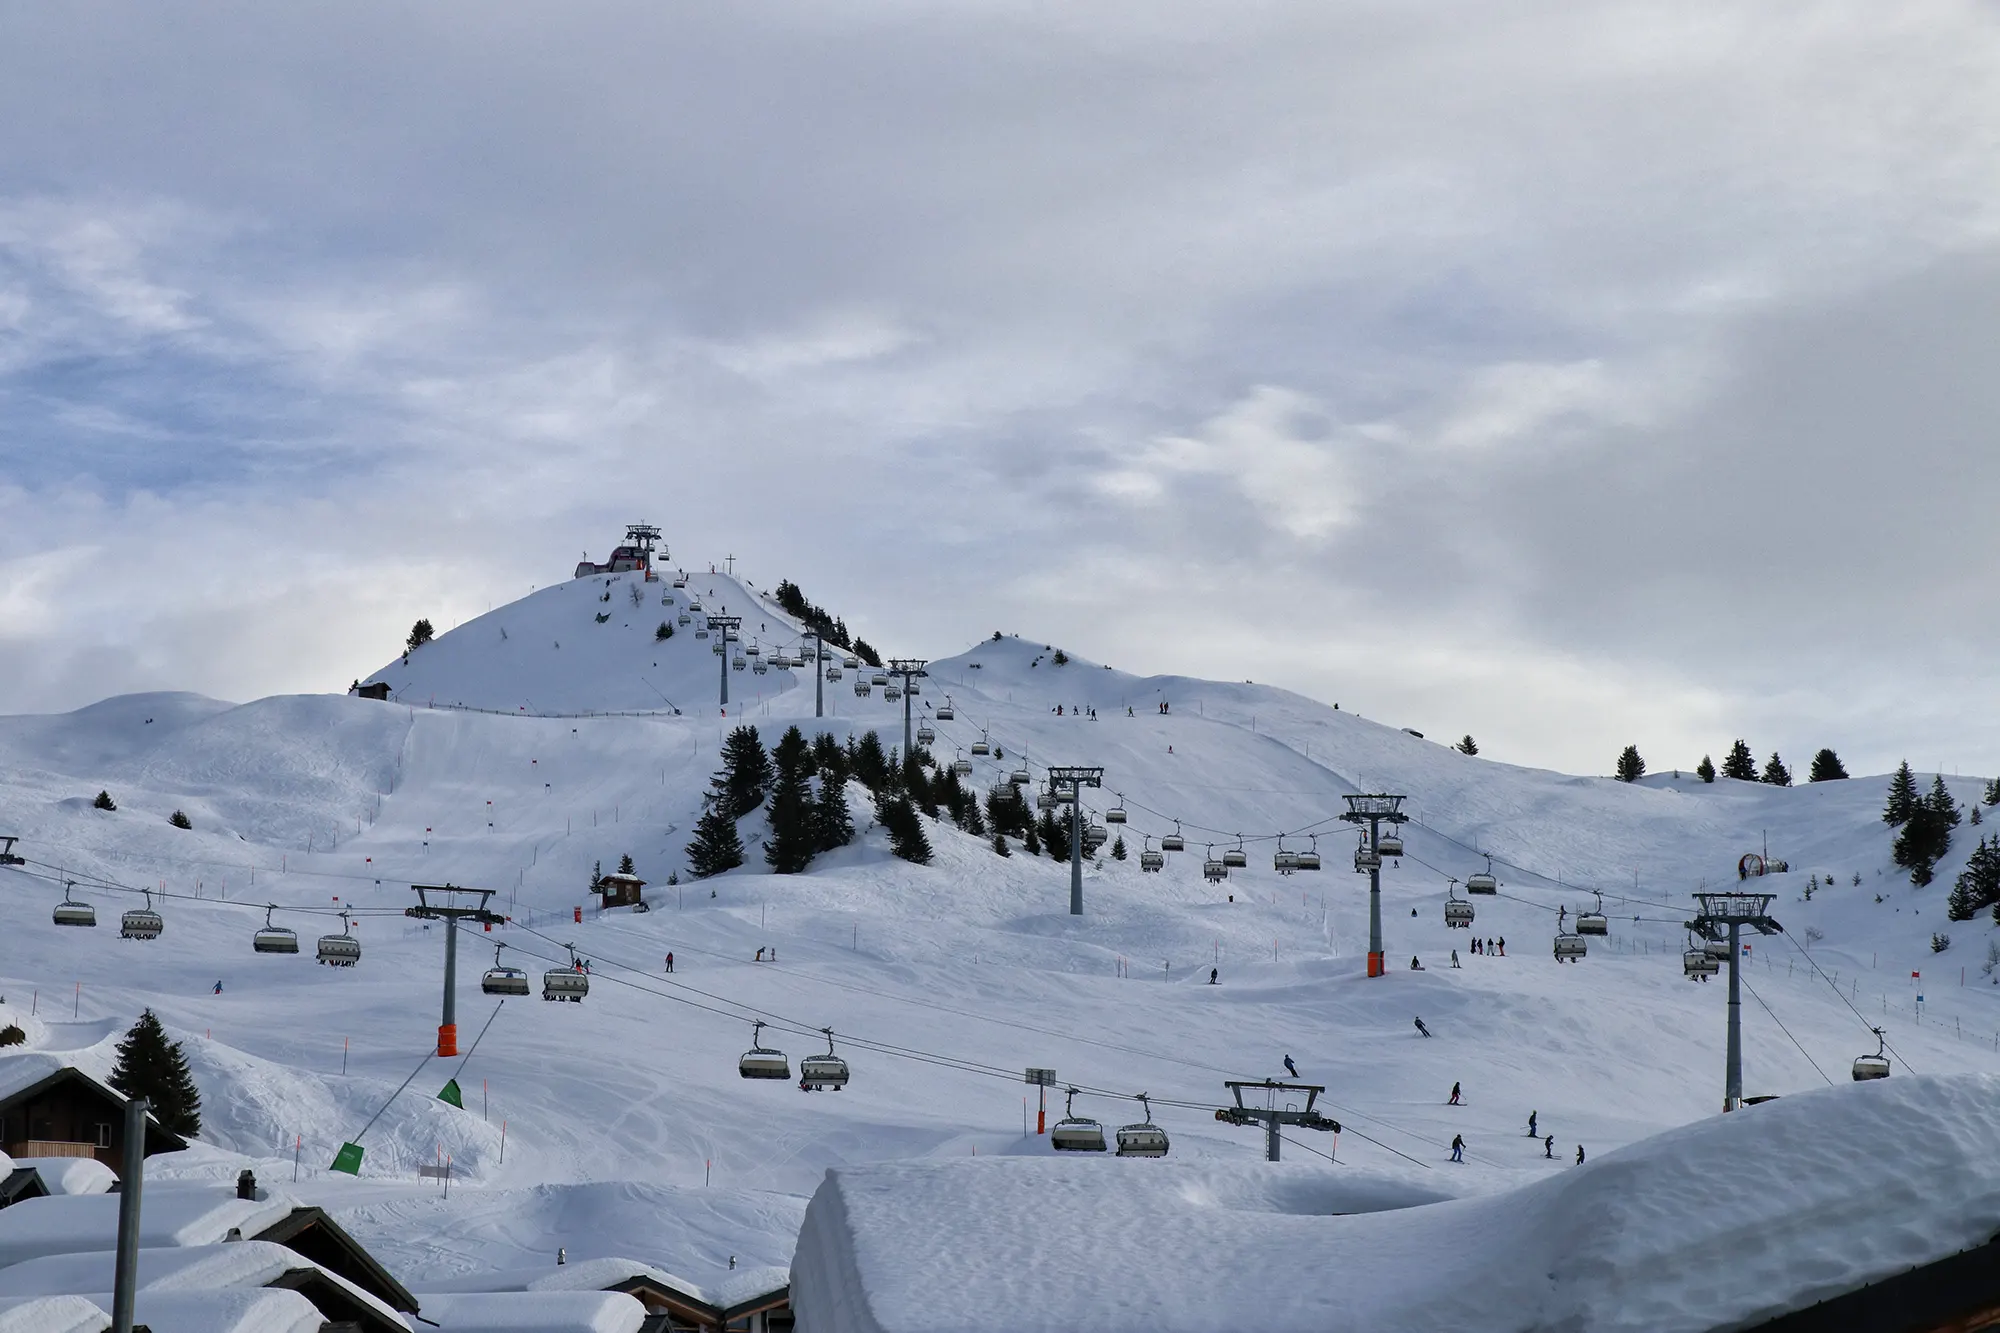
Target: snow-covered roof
(22,1070)
(170,1215)
(52,1314)
(536,1312)
(234,1264)
(604,1274)
(262,1310)
(1726,1221)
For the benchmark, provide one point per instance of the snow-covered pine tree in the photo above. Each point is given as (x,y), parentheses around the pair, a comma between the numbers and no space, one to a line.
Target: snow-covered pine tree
(1826,767)
(1705,770)
(1978,885)
(1467,745)
(791,845)
(1000,844)
(716,846)
(746,771)
(150,1066)
(104,802)
(1630,766)
(1775,772)
(1054,833)
(1991,796)
(625,866)
(829,760)
(868,763)
(1739,763)
(1941,803)
(1902,796)
(905,827)
(1118,848)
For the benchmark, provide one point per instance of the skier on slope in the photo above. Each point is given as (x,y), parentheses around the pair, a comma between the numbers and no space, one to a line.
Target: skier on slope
(1579,1154)
(1549,1147)
(218,987)
(1291,1068)
(1421,1028)
(1454,1096)
(1531,1124)
(1458,1147)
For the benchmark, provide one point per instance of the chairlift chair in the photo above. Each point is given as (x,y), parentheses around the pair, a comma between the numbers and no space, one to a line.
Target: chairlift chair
(823,1073)
(1019,777)
(570,983)
(1076,1133)
(753,650)
(1116,814)
(1045,800)
(879,678)
(1095,836)
(1235,858)
(1594,922)
(945,712)
(914,689)
(1390,844)
(70,912)
(1874,1066)
(1150,860)
(502,980)
(1482,881)
(980,746)
(1569,948)
(1696,964)
(1457,912)
(1308,860)
(272,938)
(680,583)
(142,923)
(892,692)
(702,634)
(1144,1139)
(851,662)
(1366,857)
(683,619)
(925,736)
(1174,842)
(341,950)
(861,688)
(760,1061)
(738,662)
(833,672)
(1716,949)
(1282,861)
(758,668)
(1212,869)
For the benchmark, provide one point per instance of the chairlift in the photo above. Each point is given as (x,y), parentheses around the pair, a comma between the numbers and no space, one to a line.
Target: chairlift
(879,678)
(1116,814)
(1366,857)
(680,583)
(570,983)
(1150,860)
(70,912)
(913,689)
(1716,949)
(980,746)
(1594,922)
(341,950)
(1390,844)
(1174,842)
(962,767)
(1457,911)
(833,672)
(1095,836)
(683,619)
(1144,1139)
(1570,947)
(142,923)
(753,649)
(502,980)
(1076,1133)
(1235,858)
(945,712)
(738,662)
(760,1061)
(758,668)
(823,1073)
(702,634)
(925,736)
(1308,860)
(861,689)
(1482,881)
(1696,964)
(1020,777)
(892,692)
(1045,800)
(1212,869)
(851,662)
(1874,1066)
(272,938)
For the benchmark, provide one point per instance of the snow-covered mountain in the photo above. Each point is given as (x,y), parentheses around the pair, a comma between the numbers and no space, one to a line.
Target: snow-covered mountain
(627,1129)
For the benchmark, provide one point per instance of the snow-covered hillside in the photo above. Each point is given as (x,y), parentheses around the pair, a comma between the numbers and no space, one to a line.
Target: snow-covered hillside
(627,1130)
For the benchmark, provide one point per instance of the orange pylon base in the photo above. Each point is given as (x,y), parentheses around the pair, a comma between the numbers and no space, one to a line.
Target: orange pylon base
(447,1039)
(1375,966)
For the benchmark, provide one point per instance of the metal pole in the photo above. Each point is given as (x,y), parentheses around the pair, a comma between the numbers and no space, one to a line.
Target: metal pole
(1732,1078)
(1076,849)
(819,677)
(907,751)
(1271,1139)
(1376,967)
(448,1026)
(725,668)
(125,1280)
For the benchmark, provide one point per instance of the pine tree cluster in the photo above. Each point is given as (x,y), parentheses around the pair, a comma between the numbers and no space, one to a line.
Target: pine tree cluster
(830,628)
(1978,885)
(152,1067)
(866,652)
(1926,823)
(421,633)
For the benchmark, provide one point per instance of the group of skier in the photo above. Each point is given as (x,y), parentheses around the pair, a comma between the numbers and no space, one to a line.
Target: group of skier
(1534,1118)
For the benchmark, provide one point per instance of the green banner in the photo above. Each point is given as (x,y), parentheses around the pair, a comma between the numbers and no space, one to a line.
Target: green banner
(348,1159)
(450,1094)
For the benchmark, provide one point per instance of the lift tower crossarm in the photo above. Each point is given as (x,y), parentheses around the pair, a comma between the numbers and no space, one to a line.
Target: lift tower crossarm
(1271,1117)
(1374,810)
(1075,779)
(453,904)
(1722,917)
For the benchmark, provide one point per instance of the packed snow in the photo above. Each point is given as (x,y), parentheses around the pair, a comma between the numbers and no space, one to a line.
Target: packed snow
(625,1129)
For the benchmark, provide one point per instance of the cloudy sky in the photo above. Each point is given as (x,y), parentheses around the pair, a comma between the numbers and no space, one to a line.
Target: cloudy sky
(1565,374)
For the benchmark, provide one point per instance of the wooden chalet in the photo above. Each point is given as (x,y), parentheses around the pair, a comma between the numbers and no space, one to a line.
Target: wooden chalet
(620,891)
(67,1113)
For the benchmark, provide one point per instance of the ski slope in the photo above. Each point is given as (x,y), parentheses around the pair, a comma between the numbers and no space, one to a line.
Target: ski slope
(627,1131)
